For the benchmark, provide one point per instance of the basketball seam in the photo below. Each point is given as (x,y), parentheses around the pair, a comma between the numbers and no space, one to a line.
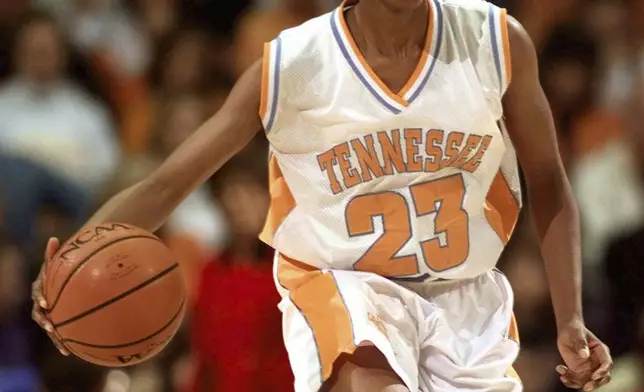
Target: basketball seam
(87,258)
(118,297)
(91,345)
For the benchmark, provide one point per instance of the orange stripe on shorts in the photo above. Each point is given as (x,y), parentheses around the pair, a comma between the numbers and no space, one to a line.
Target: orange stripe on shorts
(317,297)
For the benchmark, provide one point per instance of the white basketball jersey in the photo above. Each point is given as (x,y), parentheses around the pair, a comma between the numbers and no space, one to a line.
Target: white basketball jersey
(413,185)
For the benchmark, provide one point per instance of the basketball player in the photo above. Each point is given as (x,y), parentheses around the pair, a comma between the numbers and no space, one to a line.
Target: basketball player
(394,189)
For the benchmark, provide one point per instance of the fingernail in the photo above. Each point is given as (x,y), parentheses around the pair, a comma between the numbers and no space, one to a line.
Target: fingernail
(43,303)
(560,370)
(49,328)
(584,353)
(588,388)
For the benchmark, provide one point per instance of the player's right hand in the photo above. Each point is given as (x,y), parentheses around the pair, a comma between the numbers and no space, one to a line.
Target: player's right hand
(39,310)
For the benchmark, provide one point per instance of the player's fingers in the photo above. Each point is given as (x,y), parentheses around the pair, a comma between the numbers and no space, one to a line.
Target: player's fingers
(605,360)
(594,384)
(604,381)
(38,316)
(36,288)
(603,370)
(569,378)
(36,294)
(561,369)
(569,383)
(599,349)
(568,374)
(58,344)
(52,246)
(591,386)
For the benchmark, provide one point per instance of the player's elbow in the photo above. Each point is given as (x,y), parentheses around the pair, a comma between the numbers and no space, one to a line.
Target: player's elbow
(547,186)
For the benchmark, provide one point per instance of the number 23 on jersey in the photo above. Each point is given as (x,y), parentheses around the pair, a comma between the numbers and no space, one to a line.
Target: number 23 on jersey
(443,197)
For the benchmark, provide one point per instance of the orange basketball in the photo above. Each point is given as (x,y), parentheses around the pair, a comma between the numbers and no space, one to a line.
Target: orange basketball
(115,294)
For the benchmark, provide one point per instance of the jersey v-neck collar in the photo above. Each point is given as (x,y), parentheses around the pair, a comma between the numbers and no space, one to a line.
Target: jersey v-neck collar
(395,102)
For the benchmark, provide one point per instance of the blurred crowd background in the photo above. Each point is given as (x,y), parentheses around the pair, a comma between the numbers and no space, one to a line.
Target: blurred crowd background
(95,93)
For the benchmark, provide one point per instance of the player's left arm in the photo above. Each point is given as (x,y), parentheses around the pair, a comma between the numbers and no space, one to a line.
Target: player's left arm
(554,212)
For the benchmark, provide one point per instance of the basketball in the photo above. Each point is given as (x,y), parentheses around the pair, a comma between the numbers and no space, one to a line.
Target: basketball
(115,293)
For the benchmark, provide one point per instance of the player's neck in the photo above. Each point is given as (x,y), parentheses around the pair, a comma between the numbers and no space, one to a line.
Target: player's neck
(388,29)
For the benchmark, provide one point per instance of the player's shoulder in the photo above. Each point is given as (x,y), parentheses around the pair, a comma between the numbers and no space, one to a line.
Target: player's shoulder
(466,6)
(466,12)
(467,22)
(306,34)
(295,65)
(301,47)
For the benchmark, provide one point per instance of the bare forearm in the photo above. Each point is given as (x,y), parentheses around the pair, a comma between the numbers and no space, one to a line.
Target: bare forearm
(553,208)
(557,222)
(146,204)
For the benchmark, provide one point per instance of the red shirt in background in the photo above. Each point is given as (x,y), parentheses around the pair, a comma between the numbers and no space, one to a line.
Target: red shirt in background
(236,329)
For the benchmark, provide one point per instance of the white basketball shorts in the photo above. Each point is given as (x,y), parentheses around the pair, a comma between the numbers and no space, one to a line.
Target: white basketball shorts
(443,336)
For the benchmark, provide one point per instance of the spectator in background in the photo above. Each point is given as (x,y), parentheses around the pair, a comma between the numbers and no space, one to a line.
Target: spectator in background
(236,330)
(104,28)
(623,260)
(620,26)
(107,34)
(569,69)
(158,18)
(16,371)
(48,118)
(591,143)
(607,182)
(28,187)
(10,11)
(180,67)
(541,18)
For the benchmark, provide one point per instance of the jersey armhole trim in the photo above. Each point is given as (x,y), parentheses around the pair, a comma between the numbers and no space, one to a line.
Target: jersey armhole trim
(270,82)
(500,41)
(505,37)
